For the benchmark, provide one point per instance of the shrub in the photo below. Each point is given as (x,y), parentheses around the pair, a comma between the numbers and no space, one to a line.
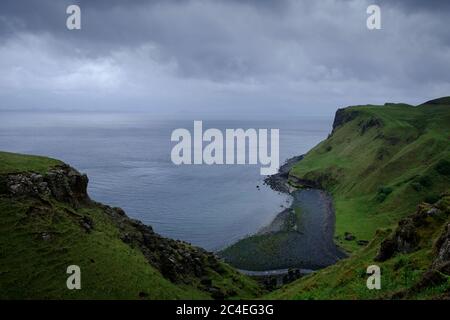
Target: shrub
(443,167)
(3,186)
(417,186)
(432,198)
(421,183)
(425,181)
(383,192)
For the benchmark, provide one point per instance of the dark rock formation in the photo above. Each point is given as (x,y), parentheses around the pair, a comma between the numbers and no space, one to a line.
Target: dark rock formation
(177,260)
(442,250)
(362,242)
(62,182)
(369,123)
(279,181)
(307,183)
(405,238)
(438,271)
(343,116)
(348,236)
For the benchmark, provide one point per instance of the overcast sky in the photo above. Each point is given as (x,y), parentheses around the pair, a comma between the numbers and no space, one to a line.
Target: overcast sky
(221,58)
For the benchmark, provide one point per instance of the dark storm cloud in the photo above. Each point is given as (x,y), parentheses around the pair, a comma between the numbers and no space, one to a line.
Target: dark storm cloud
(241,53)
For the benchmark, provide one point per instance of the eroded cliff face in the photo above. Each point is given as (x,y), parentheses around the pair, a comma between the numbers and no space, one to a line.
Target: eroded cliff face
(177,261)
(412,234)
(343,116)
(62,182)
(409,234)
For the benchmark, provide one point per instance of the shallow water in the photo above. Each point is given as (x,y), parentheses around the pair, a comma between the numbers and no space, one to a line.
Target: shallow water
(299,237)
(127,158)
(315,245)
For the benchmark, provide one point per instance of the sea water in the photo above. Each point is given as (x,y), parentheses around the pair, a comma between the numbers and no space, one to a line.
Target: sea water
(127,159)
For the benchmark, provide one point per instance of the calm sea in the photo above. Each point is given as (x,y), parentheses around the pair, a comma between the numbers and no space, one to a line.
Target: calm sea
(127,158)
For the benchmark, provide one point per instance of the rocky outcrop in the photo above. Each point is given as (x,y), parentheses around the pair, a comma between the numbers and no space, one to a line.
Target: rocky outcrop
(442,250)
(343,116)
(305,183)
(437,273)
(177,260)
(440,268)
(406,238)
(279,181)
(372,122)
(412,234)
(61,182)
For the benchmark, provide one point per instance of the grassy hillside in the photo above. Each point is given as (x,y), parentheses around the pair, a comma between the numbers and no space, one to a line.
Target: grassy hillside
(380,163)
(47,223)
(417,273)
(13,162)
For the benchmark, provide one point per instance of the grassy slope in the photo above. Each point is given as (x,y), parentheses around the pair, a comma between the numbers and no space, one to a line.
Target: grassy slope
(274,246)
(347,278)
(398,157)
(31,267)
(13,162)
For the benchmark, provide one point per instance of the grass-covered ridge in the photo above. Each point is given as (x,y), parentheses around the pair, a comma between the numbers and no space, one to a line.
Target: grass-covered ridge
(388,169)
(379,163)
(13,162)
(47,222)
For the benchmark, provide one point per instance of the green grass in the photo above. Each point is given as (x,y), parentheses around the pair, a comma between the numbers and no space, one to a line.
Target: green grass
(13,162)
(31,267)
(34,268)
(40,237)
(378,175)
(246,253)
(355,165)
(347,278)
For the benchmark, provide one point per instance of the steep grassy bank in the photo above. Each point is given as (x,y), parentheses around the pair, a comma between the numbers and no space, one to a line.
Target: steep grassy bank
(380,163)
(414,261)
(48,222)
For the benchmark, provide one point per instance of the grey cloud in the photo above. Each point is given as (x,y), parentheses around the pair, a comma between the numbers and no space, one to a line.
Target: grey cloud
(274,54)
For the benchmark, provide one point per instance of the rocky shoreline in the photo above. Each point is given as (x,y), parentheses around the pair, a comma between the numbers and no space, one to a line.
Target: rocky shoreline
(299,238)
(279,181)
